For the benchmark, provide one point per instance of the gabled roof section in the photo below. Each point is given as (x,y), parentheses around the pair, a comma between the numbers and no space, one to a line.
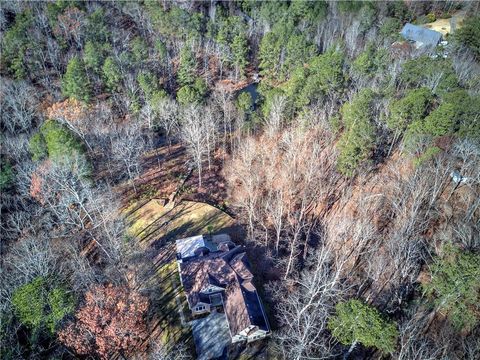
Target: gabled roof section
(421,35)
(198,273)
(243,308)
(240,265)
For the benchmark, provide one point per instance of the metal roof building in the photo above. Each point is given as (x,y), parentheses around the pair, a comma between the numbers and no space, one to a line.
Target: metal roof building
(420,35)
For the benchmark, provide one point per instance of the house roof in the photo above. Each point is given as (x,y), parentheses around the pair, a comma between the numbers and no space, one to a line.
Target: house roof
(239,264)
(421,35)
(188,247)
(243,308)
(228,270)
(199,272)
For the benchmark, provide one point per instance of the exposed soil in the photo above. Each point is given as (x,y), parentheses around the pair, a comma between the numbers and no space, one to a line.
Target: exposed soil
(444,25)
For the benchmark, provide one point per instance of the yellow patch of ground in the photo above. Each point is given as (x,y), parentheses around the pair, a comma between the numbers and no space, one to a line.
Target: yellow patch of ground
(444,25)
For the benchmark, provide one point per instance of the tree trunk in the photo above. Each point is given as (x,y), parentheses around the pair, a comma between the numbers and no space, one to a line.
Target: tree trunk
(345,357)
(290,258)
(277,243)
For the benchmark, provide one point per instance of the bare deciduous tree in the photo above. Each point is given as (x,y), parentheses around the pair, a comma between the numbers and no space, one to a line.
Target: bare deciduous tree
(304,305)
(275,118)
(198,130)
(167,112)
(278,179)
(18,102)
(413,342)
(127,148)
(169,352)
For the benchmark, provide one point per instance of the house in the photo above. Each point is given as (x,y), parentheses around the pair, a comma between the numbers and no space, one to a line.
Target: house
(215,276)
(421,37)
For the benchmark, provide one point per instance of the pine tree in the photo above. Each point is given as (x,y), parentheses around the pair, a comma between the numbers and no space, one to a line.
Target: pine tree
(111,74)
(6,175)
(469,35)
(55,141)
(240,53)
(356,322)
(187,70)
(139,49)
(148,82)
(92,56)
(412,107)
(75,82)
(455,286)
(358,139)
(38,304)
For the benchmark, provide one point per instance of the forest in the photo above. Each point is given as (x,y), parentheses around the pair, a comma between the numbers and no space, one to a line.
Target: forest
(345,156)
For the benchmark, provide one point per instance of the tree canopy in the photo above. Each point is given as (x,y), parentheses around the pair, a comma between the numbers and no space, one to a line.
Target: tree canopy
(112,319)
(358,138)
(75,83)
(469,34)
(38,304)
(55,141)
(355,321)
(455,286)
(412,107)
(15,43)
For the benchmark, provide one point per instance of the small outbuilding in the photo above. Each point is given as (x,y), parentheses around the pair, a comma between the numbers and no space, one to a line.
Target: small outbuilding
(420,36)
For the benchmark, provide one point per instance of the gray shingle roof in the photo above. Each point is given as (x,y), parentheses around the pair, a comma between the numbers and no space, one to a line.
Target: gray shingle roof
(419,34)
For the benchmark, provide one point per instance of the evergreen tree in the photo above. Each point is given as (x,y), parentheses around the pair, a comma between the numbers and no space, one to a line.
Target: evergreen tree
(37,304)
(244,102)
(97,30)
(457,114)
(139,49)
(412,107)
(441,121)
(38,147)
(55,141)
(6,174)
(111,74)
(15,43)
(455,286)
(390,28)
(356,322)
(187,69)
(240,53)
(322,76)
(311,12)
(358,139)
(190,94)
(161,49)
(469,35)
(75,82)
(93,55)
(148,82)
(283,49)
(419,72)
(371,62)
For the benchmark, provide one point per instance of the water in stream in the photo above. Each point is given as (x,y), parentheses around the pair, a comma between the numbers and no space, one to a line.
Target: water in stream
(252,90)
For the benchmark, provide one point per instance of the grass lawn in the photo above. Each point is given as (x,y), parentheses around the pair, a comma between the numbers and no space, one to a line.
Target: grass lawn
(152,222)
